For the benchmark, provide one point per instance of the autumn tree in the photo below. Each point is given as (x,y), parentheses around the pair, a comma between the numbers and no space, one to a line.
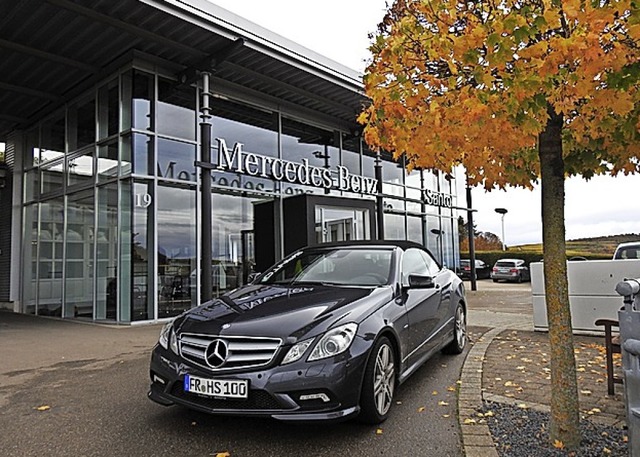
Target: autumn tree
(515,91)
(487,241)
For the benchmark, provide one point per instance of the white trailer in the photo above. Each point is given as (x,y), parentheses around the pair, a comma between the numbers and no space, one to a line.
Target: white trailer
(592,292)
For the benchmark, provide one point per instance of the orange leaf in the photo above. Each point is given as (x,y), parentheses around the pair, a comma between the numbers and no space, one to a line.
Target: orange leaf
(558,444)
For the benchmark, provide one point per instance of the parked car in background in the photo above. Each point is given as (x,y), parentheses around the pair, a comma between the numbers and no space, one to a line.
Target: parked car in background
(629,250)
(483,271)
(514,270)
(326,334)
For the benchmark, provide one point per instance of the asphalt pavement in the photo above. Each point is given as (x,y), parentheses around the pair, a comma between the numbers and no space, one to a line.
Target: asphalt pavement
(74,388)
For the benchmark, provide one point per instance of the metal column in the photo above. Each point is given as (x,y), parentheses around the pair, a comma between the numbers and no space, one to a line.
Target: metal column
(629,318)
(206,284)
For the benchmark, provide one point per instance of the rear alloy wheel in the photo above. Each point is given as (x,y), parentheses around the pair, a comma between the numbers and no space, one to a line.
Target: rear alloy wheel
(379,383)
(459,341)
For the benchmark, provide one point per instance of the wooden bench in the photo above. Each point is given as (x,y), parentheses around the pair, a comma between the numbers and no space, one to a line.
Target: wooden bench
(612,346)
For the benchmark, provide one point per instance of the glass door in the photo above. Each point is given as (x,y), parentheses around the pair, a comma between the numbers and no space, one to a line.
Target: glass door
(341,224)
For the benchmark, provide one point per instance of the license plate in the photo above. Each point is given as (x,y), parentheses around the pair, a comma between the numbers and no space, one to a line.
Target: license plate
(220,388)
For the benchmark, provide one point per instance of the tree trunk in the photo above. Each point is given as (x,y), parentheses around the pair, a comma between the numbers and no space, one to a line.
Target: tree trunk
(565,418)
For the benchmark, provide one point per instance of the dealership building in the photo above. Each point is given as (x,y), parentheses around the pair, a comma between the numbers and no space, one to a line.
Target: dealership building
(114,113)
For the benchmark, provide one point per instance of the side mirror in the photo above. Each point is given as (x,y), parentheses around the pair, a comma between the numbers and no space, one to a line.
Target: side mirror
(421,282)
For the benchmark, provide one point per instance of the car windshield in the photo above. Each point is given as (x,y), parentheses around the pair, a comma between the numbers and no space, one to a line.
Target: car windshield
(339,266)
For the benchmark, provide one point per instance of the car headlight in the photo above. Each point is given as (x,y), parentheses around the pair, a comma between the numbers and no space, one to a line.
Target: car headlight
(334,342)
(296,351)
(168,337)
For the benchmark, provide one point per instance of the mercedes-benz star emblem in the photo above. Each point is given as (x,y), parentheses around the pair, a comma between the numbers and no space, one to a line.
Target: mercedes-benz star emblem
(217,353)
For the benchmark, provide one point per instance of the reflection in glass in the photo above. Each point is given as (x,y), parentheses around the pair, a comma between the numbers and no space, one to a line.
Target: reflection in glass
(32,148)
(107,161)
(52,138)
(80,168)
(368,163)
(32,184)
(256,129)
(51,178)
(108,109)
(232,216)
(413,179)
(176,110)
(414,229)
(177,259)
(434,238)
(81,119)
(142,154)
(302,141)
(237,181)
(50,242)
(106,237)
(341,224)
(392,189)
(30,256)
(351,153)
(141,98)
(141,276)
(78,292)
(126,258)
(392,170)
(176,160)
(394,227)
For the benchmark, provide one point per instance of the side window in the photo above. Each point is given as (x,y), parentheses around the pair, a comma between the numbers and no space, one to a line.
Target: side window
(432,265)
(413,263)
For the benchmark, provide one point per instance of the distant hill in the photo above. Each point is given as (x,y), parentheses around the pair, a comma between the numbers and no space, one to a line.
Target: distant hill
(601,246)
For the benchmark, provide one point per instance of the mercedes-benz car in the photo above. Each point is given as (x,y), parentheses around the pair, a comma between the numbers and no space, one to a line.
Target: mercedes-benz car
(328,333)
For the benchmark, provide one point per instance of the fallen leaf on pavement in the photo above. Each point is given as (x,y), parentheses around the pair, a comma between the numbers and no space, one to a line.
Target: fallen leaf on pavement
(379,431)
(558,444)
(421,409)
(43,408)
(443,403)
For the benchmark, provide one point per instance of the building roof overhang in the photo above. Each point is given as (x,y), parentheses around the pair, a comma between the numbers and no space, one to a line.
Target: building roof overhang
(52,50)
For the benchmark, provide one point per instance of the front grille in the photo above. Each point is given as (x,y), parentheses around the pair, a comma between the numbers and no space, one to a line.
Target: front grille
(242,352)
(258,400)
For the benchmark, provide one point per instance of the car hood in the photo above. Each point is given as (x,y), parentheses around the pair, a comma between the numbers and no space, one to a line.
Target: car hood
(288,312)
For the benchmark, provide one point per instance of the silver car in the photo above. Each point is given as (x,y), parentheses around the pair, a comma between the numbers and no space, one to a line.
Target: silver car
(510,270)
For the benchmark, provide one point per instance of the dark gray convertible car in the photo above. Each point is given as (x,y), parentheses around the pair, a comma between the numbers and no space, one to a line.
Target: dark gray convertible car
(326,334)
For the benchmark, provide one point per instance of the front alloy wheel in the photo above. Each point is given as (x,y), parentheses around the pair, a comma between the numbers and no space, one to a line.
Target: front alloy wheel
(379,383)
(459,341)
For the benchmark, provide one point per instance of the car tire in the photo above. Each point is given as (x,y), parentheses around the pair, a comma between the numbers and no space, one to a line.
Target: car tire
(459,342)
(495,280)
(519,280)
(378,386)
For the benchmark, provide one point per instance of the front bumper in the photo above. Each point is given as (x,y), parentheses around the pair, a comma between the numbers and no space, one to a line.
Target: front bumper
(274,391)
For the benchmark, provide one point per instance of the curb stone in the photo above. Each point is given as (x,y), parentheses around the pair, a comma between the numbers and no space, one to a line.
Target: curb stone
(476,437)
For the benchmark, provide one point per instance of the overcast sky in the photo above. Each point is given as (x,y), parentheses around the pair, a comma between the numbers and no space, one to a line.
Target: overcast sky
(339,29)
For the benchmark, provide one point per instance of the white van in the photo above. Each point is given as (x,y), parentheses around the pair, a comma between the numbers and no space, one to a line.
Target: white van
(630,250)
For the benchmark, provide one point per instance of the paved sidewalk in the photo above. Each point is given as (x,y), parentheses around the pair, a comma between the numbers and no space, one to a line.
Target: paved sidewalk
(509,363)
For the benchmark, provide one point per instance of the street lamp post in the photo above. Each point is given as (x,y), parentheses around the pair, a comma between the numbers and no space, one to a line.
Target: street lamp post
(438,234)
(502,212)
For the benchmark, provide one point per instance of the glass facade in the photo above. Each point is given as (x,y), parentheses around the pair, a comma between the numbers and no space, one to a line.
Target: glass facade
(111,197)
